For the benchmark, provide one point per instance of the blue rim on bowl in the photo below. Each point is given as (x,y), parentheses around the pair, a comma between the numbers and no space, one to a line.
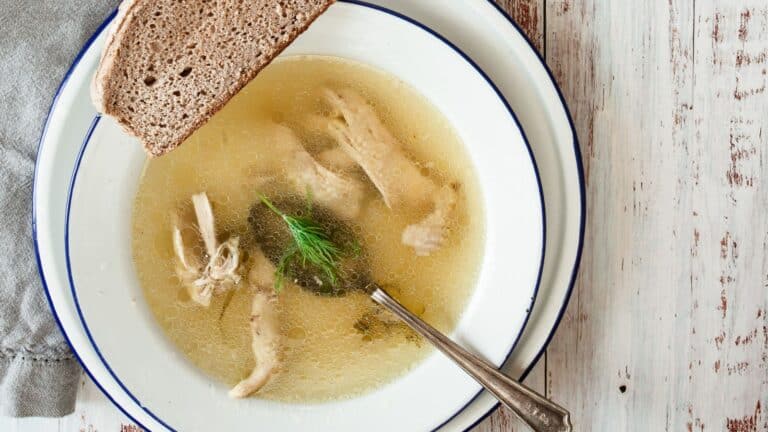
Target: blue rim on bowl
(382,9)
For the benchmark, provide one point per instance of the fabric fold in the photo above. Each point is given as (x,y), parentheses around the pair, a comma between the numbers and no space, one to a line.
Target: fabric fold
(38,374)
(32,386)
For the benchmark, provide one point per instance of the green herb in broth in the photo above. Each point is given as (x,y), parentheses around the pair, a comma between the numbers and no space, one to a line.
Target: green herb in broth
(311,244)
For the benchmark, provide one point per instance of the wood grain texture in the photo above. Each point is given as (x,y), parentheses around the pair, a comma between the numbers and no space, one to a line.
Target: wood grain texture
(667,327)
(529,15)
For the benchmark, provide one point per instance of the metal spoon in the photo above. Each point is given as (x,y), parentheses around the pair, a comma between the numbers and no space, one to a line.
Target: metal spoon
(535,410)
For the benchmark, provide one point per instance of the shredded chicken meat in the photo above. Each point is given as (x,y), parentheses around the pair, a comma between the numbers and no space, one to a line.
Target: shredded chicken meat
(362,135)
(339,193)
(337,159)
(265,328)
(208,270)
(212,270)
(429,234)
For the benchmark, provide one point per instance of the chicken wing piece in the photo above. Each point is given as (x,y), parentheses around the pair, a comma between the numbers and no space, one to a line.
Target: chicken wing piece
(209,270)
(265,328)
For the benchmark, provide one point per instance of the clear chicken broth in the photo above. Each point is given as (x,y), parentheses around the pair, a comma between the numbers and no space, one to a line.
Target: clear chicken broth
(325,354)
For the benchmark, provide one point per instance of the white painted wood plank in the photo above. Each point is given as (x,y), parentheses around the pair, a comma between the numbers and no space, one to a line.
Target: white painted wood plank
(667,328)
(727,381)
(29,425)
(529,15)
(626,71)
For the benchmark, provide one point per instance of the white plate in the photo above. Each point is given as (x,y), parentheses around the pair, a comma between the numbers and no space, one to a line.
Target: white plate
(134,354)
(485,32)
(51,189)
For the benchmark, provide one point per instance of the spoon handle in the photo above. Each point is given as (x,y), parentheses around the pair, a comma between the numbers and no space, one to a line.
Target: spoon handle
(535,410)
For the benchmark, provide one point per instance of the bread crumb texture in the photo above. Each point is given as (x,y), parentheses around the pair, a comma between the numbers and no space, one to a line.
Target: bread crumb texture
(177,62)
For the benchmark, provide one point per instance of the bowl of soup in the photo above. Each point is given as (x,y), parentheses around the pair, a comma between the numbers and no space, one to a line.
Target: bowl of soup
(205,310)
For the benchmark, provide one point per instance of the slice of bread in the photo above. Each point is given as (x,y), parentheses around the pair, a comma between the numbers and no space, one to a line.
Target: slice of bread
(169,65)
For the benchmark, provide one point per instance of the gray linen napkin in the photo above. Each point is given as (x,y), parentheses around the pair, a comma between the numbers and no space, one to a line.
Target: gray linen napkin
(38,42)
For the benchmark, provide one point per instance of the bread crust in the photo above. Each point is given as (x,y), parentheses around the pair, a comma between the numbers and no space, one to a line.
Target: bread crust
(102,87)
(108,54)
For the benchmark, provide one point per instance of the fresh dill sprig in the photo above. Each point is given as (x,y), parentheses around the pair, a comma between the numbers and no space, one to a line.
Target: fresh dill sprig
(282,267)
(311,245)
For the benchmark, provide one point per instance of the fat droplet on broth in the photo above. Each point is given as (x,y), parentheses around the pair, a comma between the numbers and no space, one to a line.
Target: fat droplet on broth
(324,356)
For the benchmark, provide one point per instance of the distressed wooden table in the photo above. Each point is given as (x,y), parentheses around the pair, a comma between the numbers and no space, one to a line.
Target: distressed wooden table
(667,329)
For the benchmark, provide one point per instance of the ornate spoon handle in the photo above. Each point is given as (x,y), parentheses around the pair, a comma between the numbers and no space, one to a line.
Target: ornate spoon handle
(535,410)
